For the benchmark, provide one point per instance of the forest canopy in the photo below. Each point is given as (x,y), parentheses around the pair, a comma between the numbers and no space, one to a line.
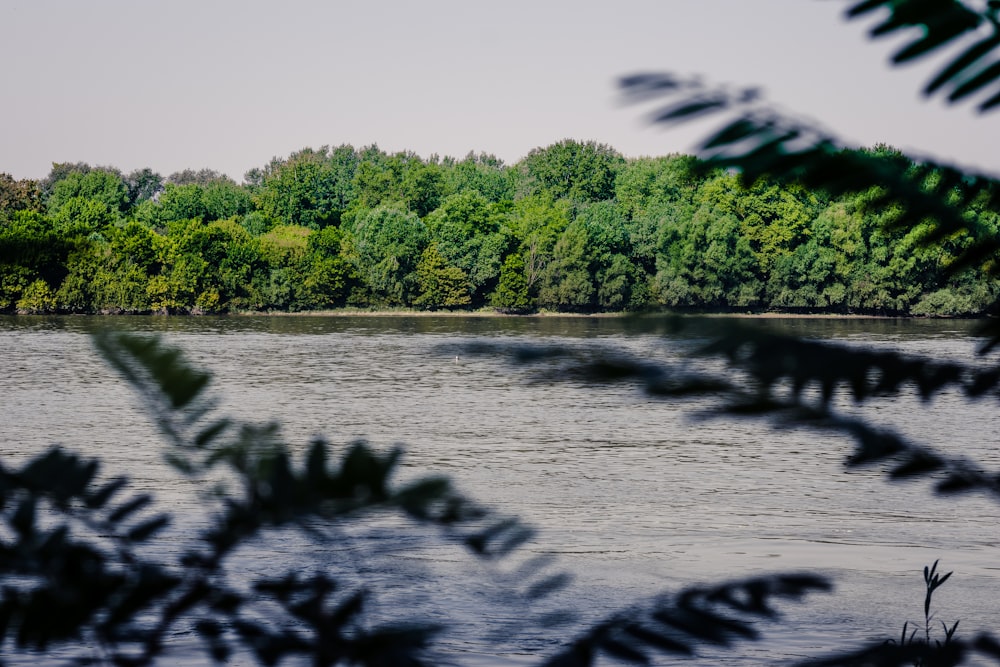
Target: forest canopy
(573,227)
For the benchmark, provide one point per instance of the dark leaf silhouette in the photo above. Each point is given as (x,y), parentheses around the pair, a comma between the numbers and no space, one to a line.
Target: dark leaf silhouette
(679,624)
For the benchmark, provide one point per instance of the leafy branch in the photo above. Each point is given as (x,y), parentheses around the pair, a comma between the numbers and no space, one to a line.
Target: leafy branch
(677,624)
(939,24)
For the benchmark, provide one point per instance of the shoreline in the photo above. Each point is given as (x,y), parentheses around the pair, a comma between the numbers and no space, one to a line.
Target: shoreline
(487,314)
(768,315)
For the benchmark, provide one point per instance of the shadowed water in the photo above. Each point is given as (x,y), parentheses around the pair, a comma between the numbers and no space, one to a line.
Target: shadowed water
(628,492)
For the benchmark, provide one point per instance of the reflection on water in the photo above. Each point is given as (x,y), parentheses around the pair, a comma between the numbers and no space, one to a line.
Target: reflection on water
(630,493)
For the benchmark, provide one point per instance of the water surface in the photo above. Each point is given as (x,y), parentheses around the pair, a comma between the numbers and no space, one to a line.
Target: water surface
(630,493)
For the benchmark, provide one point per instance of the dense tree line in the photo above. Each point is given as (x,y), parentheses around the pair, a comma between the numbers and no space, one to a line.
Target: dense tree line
(573,227)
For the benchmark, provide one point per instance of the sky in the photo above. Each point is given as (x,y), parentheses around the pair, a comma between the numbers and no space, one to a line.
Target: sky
(227,85)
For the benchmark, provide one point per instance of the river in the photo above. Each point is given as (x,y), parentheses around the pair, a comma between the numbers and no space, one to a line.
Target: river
(629,493)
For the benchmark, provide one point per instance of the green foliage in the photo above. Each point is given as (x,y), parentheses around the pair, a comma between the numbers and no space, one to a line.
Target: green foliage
(30,249)
(224,200)
(72,567)
(440,284)
(218,199)
(536,223)
(482,173)
(59,171)
(934,202)
(180,202)
(143,185)
(577,171)
(647,182)
(310,188)
(23,195)
(961,301)
(704,261)
(772,219)
(566,279)
(400,179)
(675,232)
(511,294)
(98,185)
(388,242)
(36,299)
(111,275)
(620,283)
(469,233)
(202,177)
(80,216)
(327,273)
(285,244)
(422,188)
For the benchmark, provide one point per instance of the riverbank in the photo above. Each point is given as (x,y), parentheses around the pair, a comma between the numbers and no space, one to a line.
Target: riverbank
(347,312)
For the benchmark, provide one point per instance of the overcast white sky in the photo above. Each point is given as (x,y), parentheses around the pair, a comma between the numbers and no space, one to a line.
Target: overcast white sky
(227,84)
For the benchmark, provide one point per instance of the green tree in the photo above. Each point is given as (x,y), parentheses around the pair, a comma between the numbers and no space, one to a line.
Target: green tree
(99,185)
(143,185)
(566,281)
(112,274)
(536,224)
(388,243)
(36,299)
(379,178)
(31,249)
(705,261)
(423,186)
(773,219)
(440,285)
(82,216)
(283,250)
(574,170)
(180,202)
(619,282)
(646,182)
(311,188)
(219,199)
(471,234)
(23,195)
(511,294)
(327,275)
(482,173)
(202,177)
(223,200)
(59,171)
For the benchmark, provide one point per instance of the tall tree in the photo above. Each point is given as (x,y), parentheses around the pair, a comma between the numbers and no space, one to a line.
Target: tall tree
(578,171)
(143,185)
(200,177)
(312,187)
(388,243)
(101,185)
(470,233)
(18,195)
